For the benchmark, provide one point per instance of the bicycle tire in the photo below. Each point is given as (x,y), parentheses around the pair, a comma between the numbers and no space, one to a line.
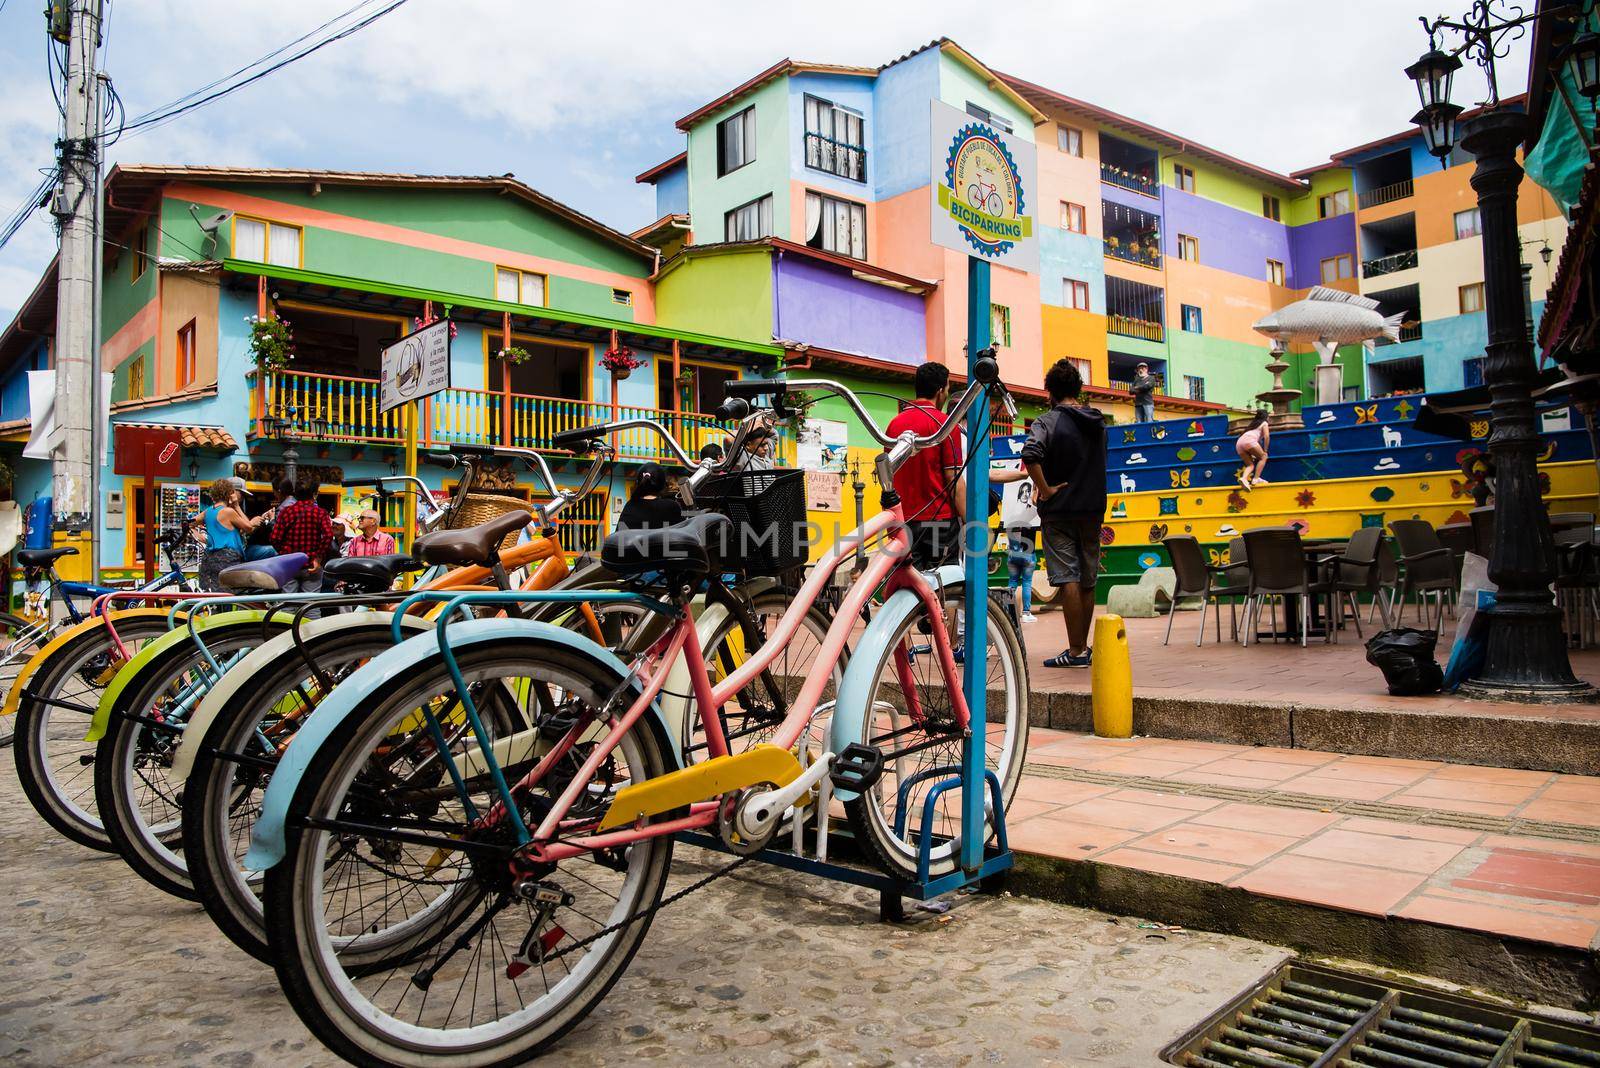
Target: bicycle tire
(871,816)
(17,652)
(70,811)
(325,995)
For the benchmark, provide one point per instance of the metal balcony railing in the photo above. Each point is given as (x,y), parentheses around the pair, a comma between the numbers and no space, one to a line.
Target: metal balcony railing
(1131,180)
(1411,332)
(1140,254)
(1128,326)
(1385,194)
(1399,261)
(836,157)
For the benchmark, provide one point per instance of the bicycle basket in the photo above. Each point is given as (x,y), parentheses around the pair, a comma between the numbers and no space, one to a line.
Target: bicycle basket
(482,507)
(768,509)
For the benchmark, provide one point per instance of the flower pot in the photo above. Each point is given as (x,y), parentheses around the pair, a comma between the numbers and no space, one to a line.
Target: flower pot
(621,373)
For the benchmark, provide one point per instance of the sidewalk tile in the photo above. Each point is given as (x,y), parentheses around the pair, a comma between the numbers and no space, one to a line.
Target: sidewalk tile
(1495,919)
(1379,851)
(1576,812)
(1330,883)
(1253,769)
(1418,832)
(1277,755)
(1057,791)
(1163,864)
(1137,764)
(1064,838)
(1270,819)
(1399,773)
(1212,778)
(1542,845)
(1216,843)
(1496,776)
(1187,802)
(1456,790)
(1446,804)
(1546,876)
(1574,788)
(1316,784)
(1128,815)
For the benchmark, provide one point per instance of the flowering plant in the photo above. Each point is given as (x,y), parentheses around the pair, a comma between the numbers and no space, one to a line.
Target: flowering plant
(271,341)
(514,354)
(620,359)
(420,323)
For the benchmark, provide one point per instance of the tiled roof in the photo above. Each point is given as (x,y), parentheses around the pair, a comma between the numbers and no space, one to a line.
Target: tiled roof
(195,437)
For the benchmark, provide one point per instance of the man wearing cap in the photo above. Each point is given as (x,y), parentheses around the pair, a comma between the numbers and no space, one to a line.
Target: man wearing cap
(226,528)
(369,540)
(1144,394)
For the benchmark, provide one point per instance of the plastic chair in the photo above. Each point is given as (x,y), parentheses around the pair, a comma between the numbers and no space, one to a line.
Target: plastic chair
(1578,584)
(1359,570)
(1196,578)
(1388,581)
(1483,531)
(1429,566)
(1278,569)
(1460,540)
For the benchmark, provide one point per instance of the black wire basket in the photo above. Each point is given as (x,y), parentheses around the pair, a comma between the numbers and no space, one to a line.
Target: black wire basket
(768,509)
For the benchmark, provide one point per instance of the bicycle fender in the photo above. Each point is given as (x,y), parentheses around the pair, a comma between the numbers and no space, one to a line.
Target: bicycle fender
(36,661)
(267,843)
(129,671)
(855,689)
(244,672)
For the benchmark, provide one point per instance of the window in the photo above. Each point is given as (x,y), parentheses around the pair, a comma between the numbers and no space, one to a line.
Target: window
(983,114)
(1471,298)
(1075,294)
(1183,177)
(1333,204)
(836,225)
(1070,141)
(519,287)
(1191,318)
(749,221)
(623,297)
(1472,372)
(1072,217)
(1083,367)
(1000,324)
(834,140)
(1468,224)
(141,241)
(1272,208)
(1188,248)
(136,378)
(260,241)
(185,370)
(1195,387)
(736,141)
(704,393)
(1337,267)
(1275,272)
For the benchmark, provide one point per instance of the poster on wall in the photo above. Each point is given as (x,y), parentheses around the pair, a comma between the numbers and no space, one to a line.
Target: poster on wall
(823,445)
(416,366)
(1017,509)
(823,491)
(985,191)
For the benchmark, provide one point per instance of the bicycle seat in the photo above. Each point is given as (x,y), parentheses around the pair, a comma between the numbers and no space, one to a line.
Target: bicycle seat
(269,574)
(369,574)
(43,557)
(691,547)
(472,545)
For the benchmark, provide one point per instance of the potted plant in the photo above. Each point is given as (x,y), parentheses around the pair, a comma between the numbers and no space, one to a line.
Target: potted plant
(620,362)
(514,354)
(271,342)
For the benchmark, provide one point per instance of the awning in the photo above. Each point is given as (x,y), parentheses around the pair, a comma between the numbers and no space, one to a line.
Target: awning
(1445,414)
(214,438)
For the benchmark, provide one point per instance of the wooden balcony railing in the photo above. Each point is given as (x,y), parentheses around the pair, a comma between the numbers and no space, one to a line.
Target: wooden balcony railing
(332,408)
(1385,194)
(1128,326)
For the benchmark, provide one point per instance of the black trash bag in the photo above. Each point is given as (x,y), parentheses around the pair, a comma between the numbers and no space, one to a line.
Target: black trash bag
(1405,656)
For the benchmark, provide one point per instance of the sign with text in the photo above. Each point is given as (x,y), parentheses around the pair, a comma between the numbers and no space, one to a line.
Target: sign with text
(151,451)
(416,366)
(984,190)
(822,491)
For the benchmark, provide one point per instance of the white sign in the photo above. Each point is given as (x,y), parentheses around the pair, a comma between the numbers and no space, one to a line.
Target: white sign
(985,193)
(822,445)
(1017,510)
(416,366)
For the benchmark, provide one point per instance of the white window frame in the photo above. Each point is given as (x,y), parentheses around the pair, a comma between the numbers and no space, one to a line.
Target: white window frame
(825,148)
(1071,290)
(1069,139)
(833,221)
(1477,224)
(1067,208)
(1276,272)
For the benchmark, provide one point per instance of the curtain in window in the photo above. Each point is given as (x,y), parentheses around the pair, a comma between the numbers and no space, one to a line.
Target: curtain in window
(249,240)
(813,216)
(284,248)
(505,286)
(533,289)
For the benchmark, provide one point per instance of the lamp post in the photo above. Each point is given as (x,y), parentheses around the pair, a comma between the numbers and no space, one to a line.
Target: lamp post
(1527,651)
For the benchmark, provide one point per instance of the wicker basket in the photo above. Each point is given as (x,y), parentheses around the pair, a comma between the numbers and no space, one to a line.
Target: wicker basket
(482,507)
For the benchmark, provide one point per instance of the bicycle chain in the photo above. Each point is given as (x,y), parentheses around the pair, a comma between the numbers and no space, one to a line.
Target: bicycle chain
(651,911)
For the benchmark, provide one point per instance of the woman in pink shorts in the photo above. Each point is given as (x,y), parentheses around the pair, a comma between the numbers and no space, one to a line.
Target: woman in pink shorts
(1252,447)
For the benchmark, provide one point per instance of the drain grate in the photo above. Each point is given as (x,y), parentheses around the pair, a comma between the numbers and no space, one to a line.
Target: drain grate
(1306,1016)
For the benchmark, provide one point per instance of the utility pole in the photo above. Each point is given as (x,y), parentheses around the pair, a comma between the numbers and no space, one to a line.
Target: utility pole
(78,287)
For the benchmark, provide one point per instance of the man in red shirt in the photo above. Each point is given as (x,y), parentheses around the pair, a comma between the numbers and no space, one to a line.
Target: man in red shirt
(303,527)
(931,486)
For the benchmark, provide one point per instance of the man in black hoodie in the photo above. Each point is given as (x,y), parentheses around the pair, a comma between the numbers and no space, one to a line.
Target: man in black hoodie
(1065,455)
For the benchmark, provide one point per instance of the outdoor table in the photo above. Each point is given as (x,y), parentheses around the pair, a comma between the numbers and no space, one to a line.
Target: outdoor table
(1314,550)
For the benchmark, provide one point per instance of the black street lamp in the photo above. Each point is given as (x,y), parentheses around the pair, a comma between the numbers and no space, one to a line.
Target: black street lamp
(1582,56)
(1527,651)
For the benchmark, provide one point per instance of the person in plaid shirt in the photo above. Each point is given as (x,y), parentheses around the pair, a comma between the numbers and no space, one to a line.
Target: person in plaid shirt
(303,527)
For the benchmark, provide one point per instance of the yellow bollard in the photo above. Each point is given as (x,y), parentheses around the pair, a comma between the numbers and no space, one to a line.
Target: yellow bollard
(1111,679)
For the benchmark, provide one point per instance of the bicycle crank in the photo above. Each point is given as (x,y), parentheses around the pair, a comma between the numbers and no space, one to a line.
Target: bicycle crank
(749,819)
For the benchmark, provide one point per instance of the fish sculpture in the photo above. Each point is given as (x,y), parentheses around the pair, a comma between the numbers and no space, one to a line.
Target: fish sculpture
(1329,318)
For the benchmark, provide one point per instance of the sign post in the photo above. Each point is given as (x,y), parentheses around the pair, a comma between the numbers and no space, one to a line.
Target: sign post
(414,368)
(150,452)
(982,177)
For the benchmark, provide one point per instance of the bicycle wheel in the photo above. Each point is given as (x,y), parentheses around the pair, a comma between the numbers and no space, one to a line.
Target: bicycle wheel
(19,640)
(496,981)
(900,795)
(232,766)
(141,806)
(54,763)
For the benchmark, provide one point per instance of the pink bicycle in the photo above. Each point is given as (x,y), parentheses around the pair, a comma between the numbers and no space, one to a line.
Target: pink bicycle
(512,789)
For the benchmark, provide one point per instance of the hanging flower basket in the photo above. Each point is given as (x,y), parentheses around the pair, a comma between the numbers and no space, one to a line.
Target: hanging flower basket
(515,354)
(271,342)
(620,362)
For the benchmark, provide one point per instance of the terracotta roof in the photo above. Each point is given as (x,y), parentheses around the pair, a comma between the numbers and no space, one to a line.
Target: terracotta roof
(1338,159)
(662,226)
(195,437)
(777,70)
(649,177)
(125,177)
(1153,133)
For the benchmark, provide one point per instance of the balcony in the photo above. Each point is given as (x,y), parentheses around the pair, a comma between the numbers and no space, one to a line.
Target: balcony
(1137,181)
(339,409)
(1399,261)
(1410,331)
(1385,194)
(824,153)
(1144,254)
(1128,326)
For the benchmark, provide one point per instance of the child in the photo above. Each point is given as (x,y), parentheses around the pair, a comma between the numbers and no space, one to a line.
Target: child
(1252,448)
(1021,564)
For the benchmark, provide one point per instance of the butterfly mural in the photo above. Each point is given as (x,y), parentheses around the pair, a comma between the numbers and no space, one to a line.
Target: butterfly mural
(1180,479)
(1369,414)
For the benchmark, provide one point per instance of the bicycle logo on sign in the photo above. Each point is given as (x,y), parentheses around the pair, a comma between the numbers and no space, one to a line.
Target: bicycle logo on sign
(983,191)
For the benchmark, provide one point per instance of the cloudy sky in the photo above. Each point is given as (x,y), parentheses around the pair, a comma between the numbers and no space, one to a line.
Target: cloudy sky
(577,98)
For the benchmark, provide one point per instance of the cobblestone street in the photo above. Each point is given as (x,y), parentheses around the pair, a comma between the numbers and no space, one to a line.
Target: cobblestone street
(761,968)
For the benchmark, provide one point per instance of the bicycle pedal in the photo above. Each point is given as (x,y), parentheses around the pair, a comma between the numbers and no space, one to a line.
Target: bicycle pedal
(857,768)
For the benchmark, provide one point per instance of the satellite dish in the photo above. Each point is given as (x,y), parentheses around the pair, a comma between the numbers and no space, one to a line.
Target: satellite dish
(211,223)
